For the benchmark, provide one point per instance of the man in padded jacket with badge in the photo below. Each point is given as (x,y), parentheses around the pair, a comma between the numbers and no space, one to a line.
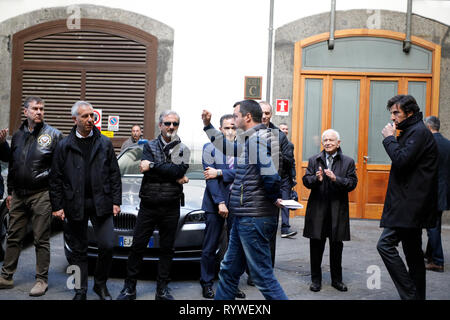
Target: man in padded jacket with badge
(32,148)
(165,161)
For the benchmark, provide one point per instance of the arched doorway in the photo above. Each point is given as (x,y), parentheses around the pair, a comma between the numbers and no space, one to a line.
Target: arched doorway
(347,89)
(110,64)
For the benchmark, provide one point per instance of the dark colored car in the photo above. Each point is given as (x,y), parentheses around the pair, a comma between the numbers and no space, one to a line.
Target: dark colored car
(191,225)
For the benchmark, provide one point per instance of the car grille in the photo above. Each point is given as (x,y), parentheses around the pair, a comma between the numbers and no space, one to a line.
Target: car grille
(125,221)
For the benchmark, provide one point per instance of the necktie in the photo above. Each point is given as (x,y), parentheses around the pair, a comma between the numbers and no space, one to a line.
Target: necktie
(230,162)
(329,161)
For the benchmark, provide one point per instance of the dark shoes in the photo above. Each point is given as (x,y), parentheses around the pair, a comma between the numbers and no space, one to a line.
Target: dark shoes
(434,267)
(250,281)
(315,287)
(127,293)
(163,292)
(79,294)
(339,286)
(207,292)
(288,233)
(102,292)
(240,294)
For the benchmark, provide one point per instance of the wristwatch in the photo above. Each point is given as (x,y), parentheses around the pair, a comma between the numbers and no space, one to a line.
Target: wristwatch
(151,164)
(219,172)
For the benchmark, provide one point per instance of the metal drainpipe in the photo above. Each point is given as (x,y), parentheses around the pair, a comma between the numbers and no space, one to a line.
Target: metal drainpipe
(407,41)
(332,25)
(269,55)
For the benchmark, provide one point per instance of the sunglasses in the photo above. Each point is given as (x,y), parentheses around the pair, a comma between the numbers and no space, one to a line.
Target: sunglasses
(167,124)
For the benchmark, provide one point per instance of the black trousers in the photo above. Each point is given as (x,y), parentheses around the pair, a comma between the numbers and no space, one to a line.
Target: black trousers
(316,249)
(165,217)
(75,234)
(410,284)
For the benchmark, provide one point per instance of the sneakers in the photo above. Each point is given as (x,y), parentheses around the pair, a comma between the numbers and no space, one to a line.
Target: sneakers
(434,267)
(127,293)
(288,233)
(6,284)
(39,288)
(208,292)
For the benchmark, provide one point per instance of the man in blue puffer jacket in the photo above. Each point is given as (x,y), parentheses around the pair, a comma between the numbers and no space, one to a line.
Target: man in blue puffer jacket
(254,202)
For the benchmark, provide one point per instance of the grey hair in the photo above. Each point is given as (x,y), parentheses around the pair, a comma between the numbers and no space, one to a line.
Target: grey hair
(78,104)
(165,113)
(331,131)
(433,122)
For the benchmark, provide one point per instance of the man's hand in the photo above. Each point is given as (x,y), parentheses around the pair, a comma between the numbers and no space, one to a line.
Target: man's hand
(8,202)
(223,210)
(278,203)
(319,174)
(116,210)
(389,130)
(210,173)
(183,180)
(59,214)
(206,117)
(330,174)
(144,166)
(3,135)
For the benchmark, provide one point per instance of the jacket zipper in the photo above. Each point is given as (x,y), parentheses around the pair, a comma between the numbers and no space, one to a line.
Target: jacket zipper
(242,194)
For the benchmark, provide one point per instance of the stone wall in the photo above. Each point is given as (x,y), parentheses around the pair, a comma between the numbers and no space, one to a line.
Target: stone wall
(162,32)
(287,35)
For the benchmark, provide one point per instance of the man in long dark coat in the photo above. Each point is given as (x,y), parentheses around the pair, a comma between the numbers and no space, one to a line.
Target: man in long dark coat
(411,197)
(330,176)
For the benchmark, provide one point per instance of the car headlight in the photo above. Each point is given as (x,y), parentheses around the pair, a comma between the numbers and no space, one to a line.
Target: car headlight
(195,217)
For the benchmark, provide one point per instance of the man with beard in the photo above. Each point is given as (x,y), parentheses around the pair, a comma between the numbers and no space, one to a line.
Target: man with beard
(134,139)
(165,161)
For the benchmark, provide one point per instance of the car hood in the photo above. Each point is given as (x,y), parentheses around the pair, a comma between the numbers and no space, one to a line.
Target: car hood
(193,194)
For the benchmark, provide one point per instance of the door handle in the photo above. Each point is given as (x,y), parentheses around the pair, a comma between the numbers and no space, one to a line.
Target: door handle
(366,158)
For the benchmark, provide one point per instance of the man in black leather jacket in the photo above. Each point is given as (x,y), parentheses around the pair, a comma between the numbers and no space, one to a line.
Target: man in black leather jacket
(32,148)
(165,161)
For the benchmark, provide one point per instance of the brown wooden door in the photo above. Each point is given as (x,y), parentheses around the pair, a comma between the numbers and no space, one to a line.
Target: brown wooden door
(356,107)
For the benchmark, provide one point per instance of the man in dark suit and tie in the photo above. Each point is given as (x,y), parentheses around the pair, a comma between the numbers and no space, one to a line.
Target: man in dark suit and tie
(219,175)
(434,252)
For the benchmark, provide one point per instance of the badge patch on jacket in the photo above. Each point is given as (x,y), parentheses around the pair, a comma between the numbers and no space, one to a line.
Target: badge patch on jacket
(44,140)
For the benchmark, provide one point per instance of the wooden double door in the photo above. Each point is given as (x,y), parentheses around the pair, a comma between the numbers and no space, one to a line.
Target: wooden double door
(355,106)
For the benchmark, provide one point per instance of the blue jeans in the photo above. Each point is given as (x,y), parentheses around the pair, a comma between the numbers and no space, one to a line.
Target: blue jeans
(249,244)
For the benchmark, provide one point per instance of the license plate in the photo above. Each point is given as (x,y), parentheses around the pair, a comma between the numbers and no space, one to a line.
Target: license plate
(127,241)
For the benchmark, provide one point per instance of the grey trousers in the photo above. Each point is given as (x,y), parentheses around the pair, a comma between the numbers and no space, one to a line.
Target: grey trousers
(36,208)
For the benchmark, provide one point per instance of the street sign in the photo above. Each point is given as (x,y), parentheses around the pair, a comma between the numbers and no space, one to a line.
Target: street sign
(113,123)
(98,118)
(282,107)
(109,134)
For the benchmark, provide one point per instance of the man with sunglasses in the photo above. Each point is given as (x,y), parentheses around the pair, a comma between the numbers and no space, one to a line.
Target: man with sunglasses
(165,161)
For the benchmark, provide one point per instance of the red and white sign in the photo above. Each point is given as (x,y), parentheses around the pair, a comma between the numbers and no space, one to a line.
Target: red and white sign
(282,107)
(113,123)
(98,118)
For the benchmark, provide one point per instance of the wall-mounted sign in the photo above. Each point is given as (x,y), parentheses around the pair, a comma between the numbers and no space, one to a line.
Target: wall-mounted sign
(253,88)
(98,118)
(282,107)
(109,134)
(113,123)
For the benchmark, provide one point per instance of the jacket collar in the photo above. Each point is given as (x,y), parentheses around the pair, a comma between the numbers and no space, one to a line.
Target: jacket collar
(73,136)
(37,128)
(323,155)
(408,122)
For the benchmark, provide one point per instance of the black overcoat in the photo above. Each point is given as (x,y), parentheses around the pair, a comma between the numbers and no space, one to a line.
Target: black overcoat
(443,145)
(67,177)
(411,196)
(329,192)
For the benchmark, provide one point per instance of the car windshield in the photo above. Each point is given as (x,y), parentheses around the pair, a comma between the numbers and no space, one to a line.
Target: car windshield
(130,159)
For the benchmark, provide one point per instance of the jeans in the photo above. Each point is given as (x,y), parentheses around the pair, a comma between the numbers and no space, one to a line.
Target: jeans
(410,283)
(249,245)
(434,246)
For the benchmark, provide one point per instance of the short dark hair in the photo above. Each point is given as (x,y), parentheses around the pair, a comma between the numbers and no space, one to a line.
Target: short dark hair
(136,125)
(36,99)
(433,122)
(225,117)
(405,102)
(252,107)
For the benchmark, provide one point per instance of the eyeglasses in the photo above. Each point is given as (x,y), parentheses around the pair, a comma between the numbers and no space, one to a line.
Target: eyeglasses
(167,124)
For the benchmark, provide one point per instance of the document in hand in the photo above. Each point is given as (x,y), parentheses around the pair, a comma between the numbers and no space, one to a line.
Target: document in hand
(291,204)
